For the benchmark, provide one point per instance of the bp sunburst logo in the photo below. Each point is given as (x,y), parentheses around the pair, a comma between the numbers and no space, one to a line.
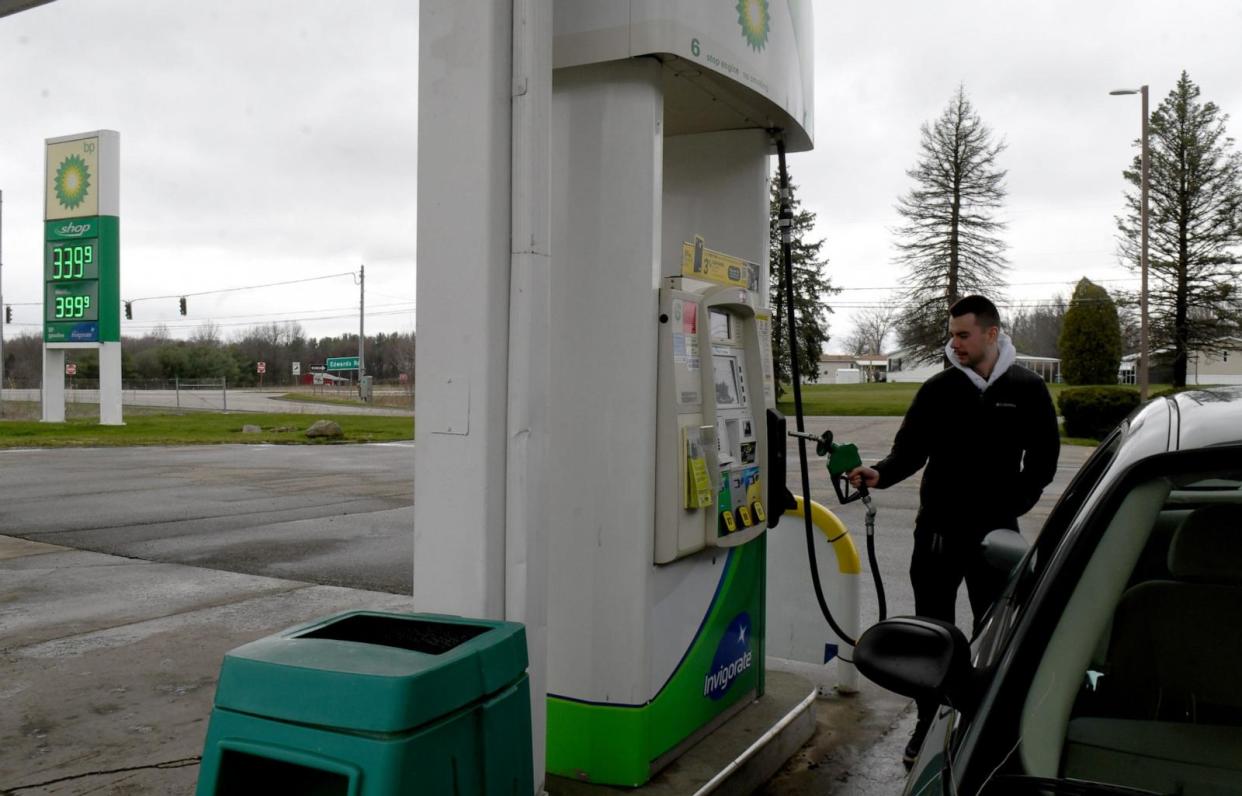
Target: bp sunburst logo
(753,16)
(73,180)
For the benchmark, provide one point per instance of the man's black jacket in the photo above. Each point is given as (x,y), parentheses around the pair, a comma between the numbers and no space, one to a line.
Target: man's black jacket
(989,454)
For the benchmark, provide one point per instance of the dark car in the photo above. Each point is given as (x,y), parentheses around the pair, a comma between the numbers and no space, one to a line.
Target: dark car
(1113,661)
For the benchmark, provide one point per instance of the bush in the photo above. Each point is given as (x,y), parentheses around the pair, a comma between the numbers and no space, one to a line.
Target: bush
(1093,412)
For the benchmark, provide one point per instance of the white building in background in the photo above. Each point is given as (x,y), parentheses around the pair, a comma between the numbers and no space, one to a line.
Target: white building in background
(1202,368)
(829,364)
(902,367)
(869,367)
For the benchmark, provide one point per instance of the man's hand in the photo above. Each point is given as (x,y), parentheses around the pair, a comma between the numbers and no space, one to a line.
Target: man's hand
(863,475)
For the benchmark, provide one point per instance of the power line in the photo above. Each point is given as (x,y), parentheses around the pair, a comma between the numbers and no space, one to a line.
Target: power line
(189,325)
(1000,284)
(245,287)
(411,307)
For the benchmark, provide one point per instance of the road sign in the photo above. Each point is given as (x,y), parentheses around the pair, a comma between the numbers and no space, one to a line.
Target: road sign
(342,363)
(261,367)
(71,369)
(297,368)
(318,368)
(318,378)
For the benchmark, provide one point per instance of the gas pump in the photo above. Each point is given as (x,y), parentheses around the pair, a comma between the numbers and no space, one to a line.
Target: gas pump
(712,448)
(628,530)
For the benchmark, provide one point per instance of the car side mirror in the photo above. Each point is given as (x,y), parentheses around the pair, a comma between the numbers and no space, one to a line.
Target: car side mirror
(1004,549)
(914,656)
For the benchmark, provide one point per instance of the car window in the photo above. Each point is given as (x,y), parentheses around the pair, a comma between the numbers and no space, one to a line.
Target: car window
(1080,487)
(994,635)
(1137,685)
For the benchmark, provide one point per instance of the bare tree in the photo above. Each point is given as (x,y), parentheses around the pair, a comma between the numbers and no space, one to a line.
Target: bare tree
(1036,329)
(872,327)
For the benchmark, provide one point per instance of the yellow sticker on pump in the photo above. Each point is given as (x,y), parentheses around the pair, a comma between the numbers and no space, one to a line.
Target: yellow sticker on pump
(698,492)
(713,266)
(744,514)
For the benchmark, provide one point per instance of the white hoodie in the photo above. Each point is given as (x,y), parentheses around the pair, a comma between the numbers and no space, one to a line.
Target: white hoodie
(1006,357)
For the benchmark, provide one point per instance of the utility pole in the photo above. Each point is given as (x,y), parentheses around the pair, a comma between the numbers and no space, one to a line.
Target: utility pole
(1145,180)
(1144,353)
(362,303)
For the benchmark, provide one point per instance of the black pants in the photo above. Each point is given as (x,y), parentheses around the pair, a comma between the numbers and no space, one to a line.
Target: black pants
(939,565)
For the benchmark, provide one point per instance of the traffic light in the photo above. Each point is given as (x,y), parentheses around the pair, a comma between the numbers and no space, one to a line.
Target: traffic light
(8,314)
(129,311)
(183,305)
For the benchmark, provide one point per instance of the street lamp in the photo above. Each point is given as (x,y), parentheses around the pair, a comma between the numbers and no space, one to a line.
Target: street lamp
(1144,182)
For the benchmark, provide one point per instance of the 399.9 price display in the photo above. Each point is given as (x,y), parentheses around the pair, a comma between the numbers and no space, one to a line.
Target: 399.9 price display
(72,301)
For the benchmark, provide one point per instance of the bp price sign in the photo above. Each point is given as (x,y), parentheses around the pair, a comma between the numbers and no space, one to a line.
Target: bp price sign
(81,262)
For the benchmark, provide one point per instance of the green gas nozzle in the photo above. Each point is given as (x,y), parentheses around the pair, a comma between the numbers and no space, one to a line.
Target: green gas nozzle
(842,458)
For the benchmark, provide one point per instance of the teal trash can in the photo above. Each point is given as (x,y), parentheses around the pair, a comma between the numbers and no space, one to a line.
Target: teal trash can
(373,704)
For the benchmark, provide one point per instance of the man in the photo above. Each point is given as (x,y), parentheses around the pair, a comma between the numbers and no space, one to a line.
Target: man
(987,431)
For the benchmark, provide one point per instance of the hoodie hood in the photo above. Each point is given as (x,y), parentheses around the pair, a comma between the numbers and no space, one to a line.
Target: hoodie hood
(1005,359)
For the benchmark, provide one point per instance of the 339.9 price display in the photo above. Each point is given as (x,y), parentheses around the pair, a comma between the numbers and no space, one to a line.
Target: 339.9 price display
(71,259)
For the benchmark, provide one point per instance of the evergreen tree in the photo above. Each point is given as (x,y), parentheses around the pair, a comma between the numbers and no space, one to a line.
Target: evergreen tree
(810,287)
(949,242)
(1195,227)
(1090,343)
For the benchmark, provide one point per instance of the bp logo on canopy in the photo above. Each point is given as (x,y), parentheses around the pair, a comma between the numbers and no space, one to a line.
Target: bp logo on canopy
(755,20)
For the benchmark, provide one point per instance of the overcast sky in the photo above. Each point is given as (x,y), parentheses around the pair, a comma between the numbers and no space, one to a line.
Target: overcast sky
(272,140)
(1038,73)
(261,141)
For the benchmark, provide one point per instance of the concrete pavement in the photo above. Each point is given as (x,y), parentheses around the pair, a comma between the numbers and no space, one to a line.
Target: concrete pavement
(110,664)
(108,667)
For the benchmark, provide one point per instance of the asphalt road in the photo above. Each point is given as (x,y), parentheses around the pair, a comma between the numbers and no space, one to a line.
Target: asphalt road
(338,515)
(343,515)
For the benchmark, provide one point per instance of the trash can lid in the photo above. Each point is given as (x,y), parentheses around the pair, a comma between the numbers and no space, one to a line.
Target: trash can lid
(373,672)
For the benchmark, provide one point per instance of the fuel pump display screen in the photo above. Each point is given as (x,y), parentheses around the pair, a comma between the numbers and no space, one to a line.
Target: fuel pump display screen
(72,301)
(722,325)
(725,376)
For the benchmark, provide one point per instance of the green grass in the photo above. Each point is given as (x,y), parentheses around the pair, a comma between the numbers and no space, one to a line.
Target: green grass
(873,400)
(869,400)
(197,428)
